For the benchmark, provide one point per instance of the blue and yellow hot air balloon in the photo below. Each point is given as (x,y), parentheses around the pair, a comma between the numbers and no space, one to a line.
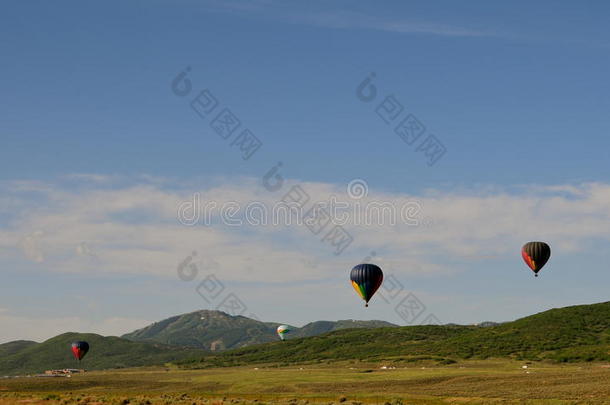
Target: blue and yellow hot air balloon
(366,280)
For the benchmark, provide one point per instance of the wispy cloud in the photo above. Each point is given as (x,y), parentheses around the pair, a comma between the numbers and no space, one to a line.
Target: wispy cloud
(294,13)
(354,20)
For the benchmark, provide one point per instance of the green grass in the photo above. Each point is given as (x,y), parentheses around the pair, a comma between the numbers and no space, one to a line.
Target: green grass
(468,382)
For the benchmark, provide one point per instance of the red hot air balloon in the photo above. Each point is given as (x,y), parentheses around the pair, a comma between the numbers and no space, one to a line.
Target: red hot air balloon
(536,254)
(79,349)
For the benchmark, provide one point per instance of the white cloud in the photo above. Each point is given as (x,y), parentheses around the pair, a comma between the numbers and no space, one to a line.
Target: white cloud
(30,246)
(134,229)
(91,177)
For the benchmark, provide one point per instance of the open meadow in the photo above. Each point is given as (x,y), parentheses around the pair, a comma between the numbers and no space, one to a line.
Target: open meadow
(468,382)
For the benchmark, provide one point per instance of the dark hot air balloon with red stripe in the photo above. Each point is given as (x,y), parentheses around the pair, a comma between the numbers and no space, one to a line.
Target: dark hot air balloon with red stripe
(536,254)
(80,349)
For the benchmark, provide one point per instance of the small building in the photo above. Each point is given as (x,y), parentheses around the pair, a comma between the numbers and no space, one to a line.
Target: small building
(64,371)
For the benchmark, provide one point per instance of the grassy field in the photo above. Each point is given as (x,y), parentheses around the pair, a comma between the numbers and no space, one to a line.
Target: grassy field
(349,383)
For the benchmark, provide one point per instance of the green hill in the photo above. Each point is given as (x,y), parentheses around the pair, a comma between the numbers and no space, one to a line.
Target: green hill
(217,331)
(6,349)
(106,352)
(320,327)
(210,330)
(578,333)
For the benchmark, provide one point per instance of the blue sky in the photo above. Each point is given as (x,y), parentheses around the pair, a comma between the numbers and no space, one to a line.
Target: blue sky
(95,143)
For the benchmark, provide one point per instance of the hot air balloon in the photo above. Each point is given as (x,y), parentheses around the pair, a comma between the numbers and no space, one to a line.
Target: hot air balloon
(366,279)
(283,330)
(536,254)
(79,349)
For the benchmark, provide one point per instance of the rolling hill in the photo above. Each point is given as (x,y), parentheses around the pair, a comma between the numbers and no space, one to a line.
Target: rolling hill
(10,348)
(320,327)
(578,333)
(217,330)
(23,357)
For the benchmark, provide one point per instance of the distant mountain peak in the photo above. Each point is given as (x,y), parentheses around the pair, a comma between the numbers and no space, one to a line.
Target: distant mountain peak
(216,330)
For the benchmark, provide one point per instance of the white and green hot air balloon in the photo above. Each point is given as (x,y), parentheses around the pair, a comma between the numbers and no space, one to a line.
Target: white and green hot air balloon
(282,330)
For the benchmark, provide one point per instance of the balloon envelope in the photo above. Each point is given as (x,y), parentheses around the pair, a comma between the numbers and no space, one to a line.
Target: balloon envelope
(79,349)
(366,280)
(535,255)
(282,330)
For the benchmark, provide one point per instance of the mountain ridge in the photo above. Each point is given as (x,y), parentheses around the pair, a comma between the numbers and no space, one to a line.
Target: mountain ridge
(577,333)
(216,330)
(569,334)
